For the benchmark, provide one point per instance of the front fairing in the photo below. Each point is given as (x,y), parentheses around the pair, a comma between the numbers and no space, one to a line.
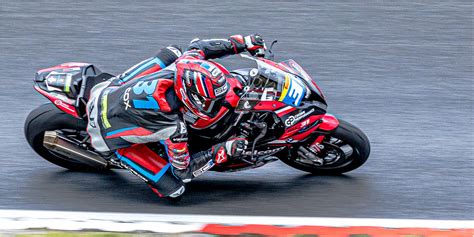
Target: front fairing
(286,82)
(292,66)
(276,84)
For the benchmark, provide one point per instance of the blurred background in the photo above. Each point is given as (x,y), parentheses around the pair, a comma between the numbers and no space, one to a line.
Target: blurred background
(402,71)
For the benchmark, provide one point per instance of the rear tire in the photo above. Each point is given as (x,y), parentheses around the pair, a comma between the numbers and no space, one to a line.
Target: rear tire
(350,135)
(47,117)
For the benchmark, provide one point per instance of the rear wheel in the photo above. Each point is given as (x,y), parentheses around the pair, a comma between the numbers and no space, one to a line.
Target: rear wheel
(344,149)
(47,117)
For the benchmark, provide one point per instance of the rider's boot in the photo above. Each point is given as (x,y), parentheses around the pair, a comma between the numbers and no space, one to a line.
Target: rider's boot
(200,162)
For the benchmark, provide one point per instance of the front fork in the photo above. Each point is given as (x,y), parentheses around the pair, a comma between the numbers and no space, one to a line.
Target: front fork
(327,124)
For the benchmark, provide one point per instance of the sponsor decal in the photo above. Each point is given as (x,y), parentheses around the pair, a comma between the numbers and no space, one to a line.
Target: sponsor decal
(147,87)
(221,156)
(295,118)
(64,105)
(203,169)
(268,94)
(182,128)
(179,192)
(263,153)
(179,139)
(126,98)
(221,90)
(293,91)
(305,123)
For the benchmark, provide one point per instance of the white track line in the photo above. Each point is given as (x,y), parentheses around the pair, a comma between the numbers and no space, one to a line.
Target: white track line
(164,223)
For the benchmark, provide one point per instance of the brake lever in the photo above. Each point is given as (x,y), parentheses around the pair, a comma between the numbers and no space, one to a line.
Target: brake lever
(270,55)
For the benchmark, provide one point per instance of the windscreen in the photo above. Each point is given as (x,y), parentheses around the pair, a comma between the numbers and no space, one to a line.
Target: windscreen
(277,84)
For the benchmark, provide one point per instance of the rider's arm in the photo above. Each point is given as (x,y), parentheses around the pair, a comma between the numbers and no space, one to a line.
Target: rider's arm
(217,48)
(163,58)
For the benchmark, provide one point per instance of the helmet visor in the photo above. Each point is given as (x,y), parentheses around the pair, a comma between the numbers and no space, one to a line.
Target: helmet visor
(209,107)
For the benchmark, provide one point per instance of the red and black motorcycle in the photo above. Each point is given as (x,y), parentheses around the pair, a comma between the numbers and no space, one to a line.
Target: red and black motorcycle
(279,105)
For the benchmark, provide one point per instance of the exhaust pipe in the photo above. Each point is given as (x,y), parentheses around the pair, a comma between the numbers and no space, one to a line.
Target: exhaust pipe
(61,145)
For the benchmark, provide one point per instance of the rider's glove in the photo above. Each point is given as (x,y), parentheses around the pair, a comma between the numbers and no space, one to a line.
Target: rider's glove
(236,146)
(180,161)
(230,149)
(177,153)
(255,44)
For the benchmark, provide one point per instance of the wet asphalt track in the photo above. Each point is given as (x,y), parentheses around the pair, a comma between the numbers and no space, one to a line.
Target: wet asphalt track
(402,71)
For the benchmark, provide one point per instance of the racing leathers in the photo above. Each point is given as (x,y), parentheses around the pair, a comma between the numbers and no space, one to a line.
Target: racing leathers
(140,107)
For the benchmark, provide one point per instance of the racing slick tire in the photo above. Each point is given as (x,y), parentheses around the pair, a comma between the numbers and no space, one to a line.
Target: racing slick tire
(47,117)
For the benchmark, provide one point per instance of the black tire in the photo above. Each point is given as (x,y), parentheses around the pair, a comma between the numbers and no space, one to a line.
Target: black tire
(349,134)
(47,117)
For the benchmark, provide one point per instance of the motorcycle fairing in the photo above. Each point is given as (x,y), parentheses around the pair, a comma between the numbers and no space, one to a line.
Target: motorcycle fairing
(293,67)
(62,84)
(60,101)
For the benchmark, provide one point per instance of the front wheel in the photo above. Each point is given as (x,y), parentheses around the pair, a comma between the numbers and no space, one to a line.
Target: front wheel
(344,149)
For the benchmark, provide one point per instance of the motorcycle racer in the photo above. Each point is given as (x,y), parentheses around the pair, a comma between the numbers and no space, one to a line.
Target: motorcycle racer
(151,102)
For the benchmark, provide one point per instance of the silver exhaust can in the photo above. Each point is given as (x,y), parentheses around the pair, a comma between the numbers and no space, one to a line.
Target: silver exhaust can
(63,146)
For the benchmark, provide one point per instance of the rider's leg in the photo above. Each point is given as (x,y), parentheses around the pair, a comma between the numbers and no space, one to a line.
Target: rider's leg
(153,169)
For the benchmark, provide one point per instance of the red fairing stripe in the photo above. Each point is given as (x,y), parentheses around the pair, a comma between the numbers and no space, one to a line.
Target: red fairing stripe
(329,123)
(291,131)
(285,110)
(62,105)
(144,156)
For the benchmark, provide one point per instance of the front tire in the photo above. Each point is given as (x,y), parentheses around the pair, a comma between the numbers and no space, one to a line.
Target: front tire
(47,117)
(348,135)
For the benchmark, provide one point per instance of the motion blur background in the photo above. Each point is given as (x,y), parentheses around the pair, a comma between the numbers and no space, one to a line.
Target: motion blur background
(402,71)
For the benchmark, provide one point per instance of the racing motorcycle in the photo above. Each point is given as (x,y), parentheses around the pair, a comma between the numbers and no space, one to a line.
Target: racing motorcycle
(279,106)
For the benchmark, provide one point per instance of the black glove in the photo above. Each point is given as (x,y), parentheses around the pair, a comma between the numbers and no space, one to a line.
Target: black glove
(236,146)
